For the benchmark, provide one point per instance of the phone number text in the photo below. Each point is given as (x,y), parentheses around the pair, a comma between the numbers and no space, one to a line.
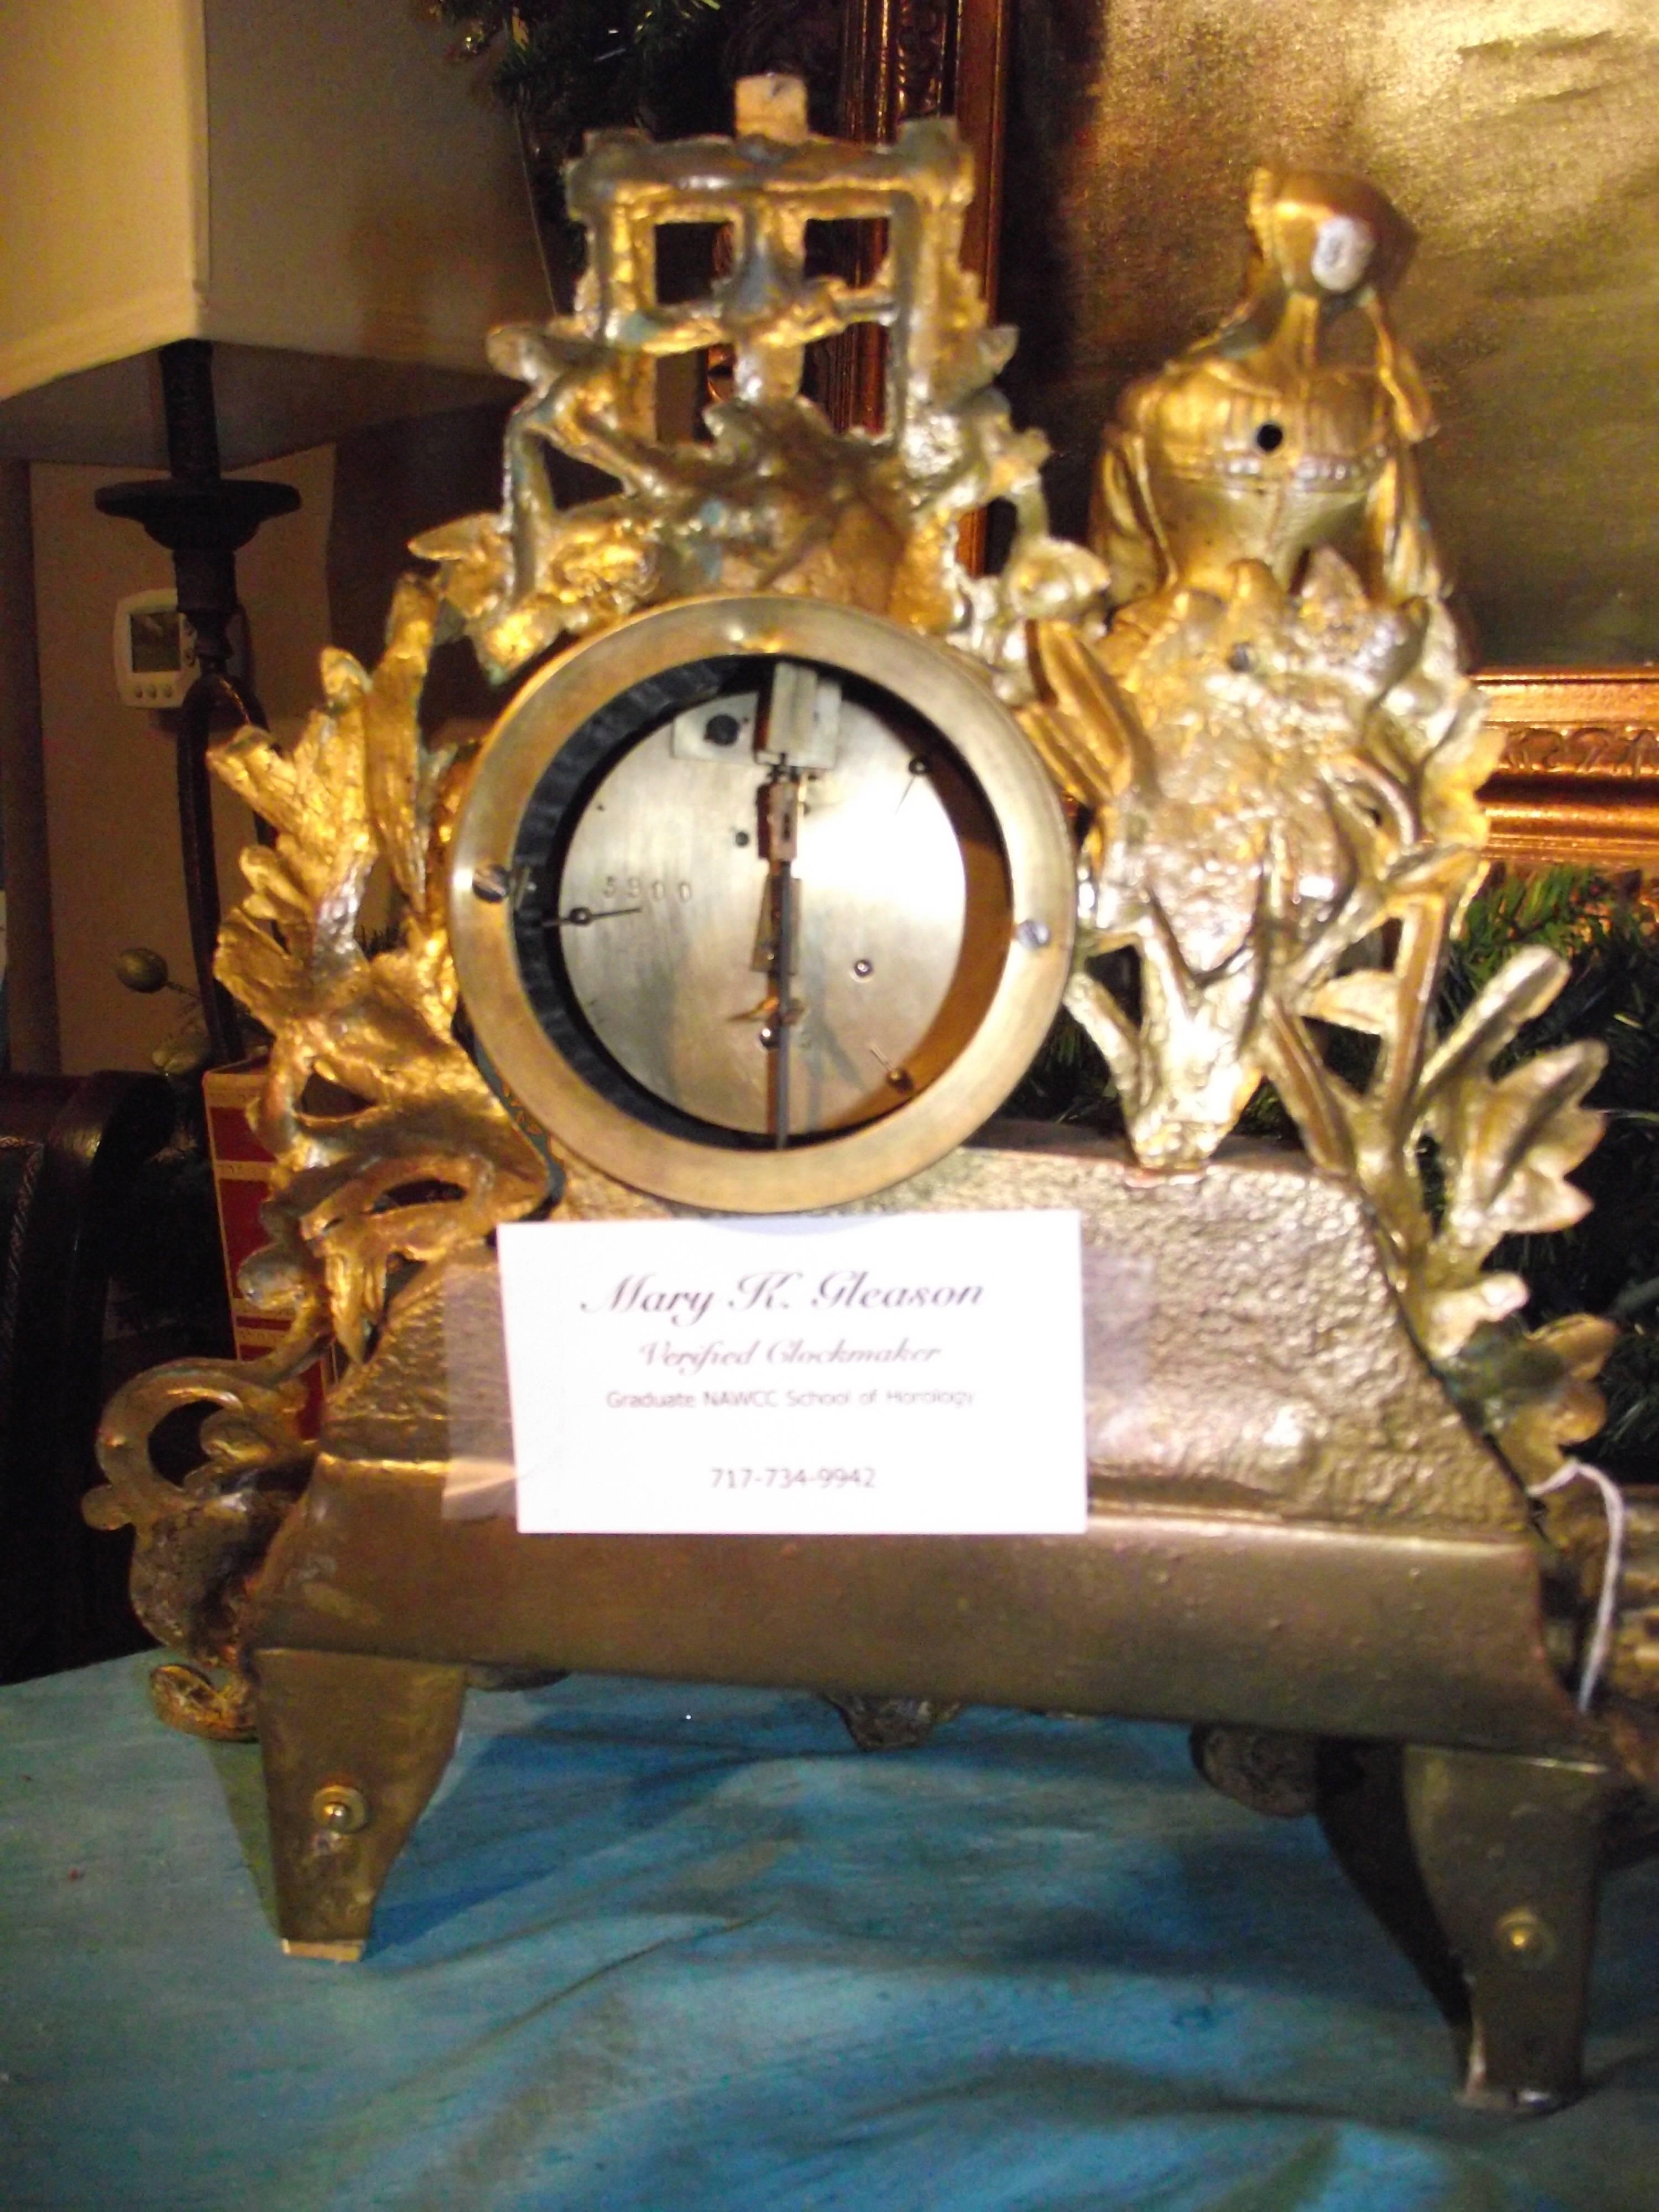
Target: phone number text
(793,1477)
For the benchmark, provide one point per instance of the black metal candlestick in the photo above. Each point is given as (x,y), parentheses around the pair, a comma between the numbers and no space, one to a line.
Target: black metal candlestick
(203,518)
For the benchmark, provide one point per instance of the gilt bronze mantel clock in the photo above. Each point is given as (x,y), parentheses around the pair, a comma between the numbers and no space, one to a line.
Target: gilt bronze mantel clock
(760,896)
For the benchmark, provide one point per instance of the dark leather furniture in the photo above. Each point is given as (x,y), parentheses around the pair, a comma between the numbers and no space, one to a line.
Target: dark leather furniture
(70,1150)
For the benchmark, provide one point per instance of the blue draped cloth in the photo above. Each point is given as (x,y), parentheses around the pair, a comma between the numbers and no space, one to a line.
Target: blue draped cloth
(681,1950)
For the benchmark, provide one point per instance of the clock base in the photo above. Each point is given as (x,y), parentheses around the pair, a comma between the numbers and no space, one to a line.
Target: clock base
(1381,1585)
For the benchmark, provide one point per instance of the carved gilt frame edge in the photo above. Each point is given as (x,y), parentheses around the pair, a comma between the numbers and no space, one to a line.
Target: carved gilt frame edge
(1579,779)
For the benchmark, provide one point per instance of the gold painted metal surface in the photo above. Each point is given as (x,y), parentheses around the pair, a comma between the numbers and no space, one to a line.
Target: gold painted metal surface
(392,1148)
(1009,991)
(1259,1278)
(351,1194)
(1335,1556)
(390,1730)
(198,1543)
(1510,1851)
(1264,442)
(1519,139)
(1289,1546)
(774,498)
(1269,754)
(902,60)
(1411,1635)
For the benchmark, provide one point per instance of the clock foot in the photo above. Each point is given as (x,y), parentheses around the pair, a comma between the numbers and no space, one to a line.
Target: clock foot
(353,1749)
(1485,1871)
(890,1723)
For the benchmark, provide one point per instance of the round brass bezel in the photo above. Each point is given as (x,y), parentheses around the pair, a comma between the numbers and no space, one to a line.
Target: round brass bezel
(833,1169)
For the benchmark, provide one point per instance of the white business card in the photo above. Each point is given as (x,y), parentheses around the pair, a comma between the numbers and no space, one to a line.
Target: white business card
(916,1374)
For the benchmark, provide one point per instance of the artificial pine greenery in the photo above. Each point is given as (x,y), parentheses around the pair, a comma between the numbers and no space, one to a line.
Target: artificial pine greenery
(566,67)
(1609,1262)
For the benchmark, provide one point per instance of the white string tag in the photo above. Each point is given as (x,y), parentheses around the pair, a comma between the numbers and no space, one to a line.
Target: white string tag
(1607,1603)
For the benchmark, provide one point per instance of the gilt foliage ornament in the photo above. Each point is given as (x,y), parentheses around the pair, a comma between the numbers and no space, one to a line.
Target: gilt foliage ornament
(1273,756)
(425,1157)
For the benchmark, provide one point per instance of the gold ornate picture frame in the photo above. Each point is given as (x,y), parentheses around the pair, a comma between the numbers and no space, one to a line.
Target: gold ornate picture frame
(1579,779)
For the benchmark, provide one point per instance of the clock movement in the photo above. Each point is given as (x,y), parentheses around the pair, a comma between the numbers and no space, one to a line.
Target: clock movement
(793,833)
(760,903)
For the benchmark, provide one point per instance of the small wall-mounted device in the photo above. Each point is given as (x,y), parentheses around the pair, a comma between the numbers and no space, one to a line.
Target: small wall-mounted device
(156,660)
(155,650)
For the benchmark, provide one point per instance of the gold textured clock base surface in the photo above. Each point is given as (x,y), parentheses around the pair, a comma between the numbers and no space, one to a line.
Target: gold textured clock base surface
(1267,1367)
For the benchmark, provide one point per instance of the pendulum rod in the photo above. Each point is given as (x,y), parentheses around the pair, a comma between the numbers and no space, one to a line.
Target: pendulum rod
(780,819)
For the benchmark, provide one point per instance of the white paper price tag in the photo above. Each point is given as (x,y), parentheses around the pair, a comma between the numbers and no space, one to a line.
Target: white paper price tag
(884,1374)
